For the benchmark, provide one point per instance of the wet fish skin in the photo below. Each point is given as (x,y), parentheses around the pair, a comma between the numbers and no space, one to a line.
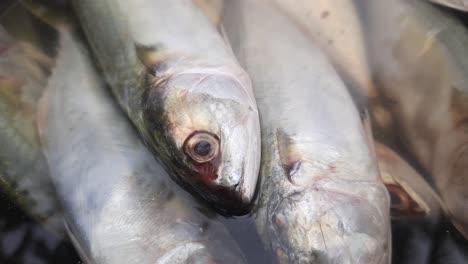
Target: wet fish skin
(120,205)
(176,77)
(24,173)
(335,26)
(457,4)
(321,197)
(423,70)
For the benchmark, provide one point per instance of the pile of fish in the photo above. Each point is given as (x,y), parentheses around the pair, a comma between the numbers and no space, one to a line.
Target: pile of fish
(143,130)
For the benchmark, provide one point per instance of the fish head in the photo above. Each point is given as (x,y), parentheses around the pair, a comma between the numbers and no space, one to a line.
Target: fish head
(324,226)
(317,208)
(208,131)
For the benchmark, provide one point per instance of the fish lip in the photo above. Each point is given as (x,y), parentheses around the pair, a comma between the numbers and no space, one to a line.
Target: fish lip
(238,188)
(241,198)
(233,202)
(226,200)
(232,199)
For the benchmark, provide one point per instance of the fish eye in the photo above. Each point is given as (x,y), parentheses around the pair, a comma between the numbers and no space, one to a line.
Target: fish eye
(202,146)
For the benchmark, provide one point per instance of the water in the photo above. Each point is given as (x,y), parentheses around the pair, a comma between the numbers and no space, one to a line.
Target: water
(22,240)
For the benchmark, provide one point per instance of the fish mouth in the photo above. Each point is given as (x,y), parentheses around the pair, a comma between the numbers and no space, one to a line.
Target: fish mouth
(233,200)
(231,194)
(230,201)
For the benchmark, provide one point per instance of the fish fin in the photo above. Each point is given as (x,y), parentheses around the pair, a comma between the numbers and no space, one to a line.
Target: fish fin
(402,204)
(409,198)
(36,55)
(154,57)
(49,15)
(291,160)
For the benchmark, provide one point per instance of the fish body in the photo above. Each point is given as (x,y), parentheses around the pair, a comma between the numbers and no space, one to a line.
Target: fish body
(321,197)
(335,26)
(461,5)
(178,81)
(419,56)
(119,204)
(24,173)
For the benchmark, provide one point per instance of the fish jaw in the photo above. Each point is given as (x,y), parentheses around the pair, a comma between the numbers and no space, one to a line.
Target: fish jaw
(243,153)
(340,227)
(219,106)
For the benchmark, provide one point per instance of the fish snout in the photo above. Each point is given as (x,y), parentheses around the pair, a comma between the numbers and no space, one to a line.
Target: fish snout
(238,170)
(232,196)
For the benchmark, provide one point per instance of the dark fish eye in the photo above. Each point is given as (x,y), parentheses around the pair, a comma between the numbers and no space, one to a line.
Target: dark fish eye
(201,146)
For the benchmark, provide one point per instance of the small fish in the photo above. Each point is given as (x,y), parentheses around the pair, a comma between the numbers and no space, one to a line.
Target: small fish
(418,54)
(321,198)
(178,81)
(411,196)
(24,174)
(457,4)
(119,204)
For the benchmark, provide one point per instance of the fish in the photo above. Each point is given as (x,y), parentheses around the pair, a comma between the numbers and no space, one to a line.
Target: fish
(213,9)
(24,174)
(418,55)
(335,26)
(20,25)
(180,84)
(119,205)
(461,5)
(412,198)
(321,199)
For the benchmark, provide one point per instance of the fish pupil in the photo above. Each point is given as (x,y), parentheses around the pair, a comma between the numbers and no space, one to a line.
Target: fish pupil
(202,148)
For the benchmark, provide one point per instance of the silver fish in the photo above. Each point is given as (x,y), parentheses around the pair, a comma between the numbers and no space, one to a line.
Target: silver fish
(120,205)
(322,200)
(419,57)
(457,4)
(180,84)
(335,26)
(24,173)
